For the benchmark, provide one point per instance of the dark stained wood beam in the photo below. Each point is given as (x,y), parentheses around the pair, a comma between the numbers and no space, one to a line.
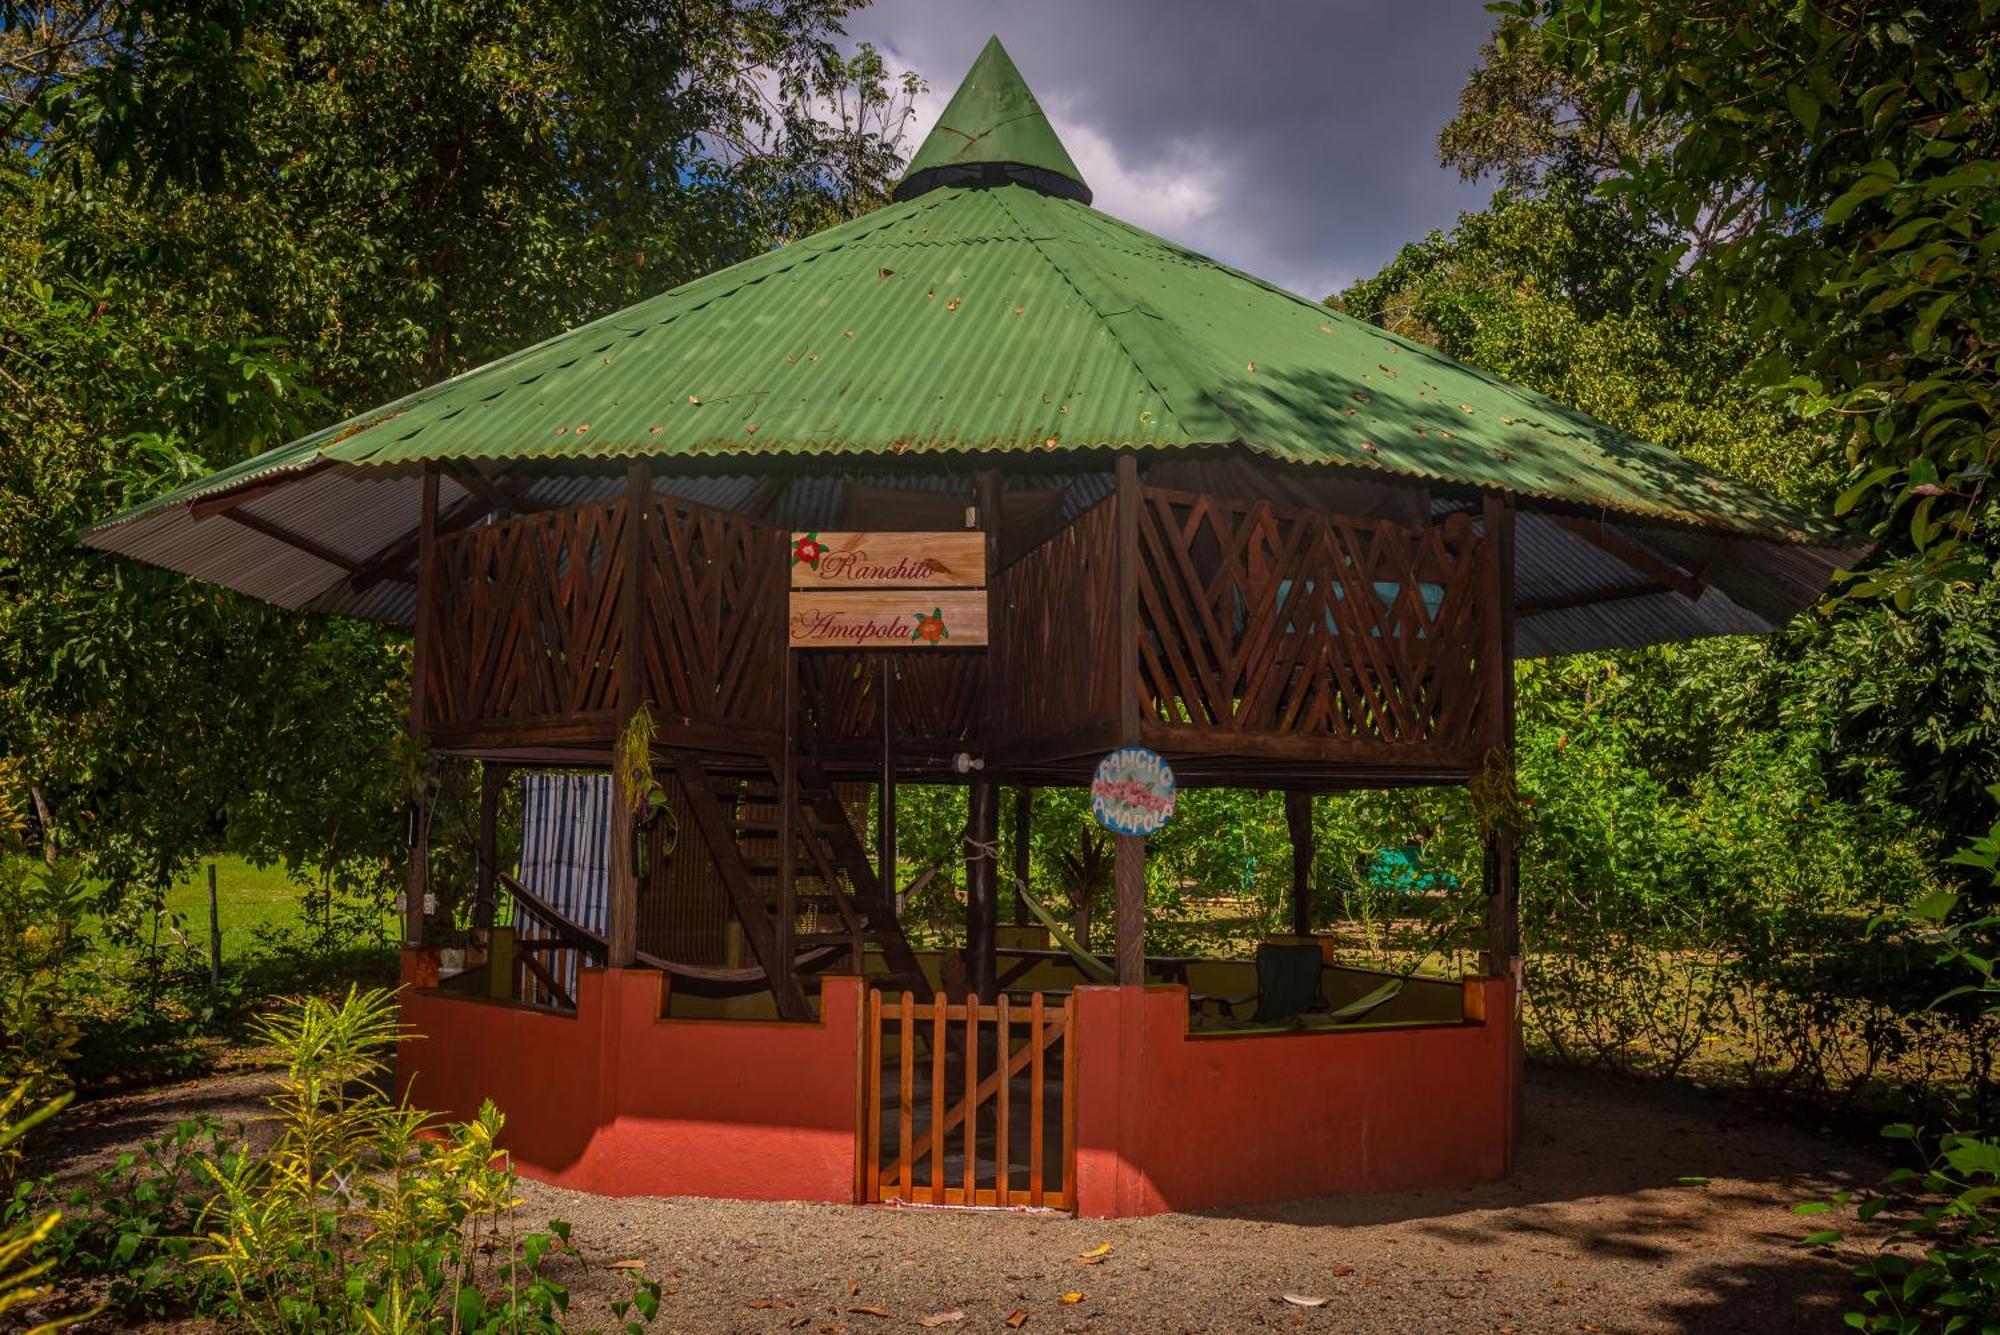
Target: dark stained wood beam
(1299,823)
(1589,598)
(503,497)
(1636,555)
(1129,857)
(767,495)
(279,533)
(210,506)
(982,900)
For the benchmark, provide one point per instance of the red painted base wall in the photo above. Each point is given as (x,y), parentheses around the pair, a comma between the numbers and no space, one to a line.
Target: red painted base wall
(1169,1122)
(618,1101)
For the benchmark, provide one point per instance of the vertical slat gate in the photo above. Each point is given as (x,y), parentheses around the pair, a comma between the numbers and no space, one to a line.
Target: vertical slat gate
(947,1086)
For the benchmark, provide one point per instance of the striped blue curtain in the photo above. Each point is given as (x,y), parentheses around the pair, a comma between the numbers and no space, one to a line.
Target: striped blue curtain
(565,843)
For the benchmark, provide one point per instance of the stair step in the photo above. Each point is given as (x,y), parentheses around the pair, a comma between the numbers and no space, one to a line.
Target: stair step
(801,870)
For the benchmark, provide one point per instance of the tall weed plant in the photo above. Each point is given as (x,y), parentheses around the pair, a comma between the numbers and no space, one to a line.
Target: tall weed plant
(363,1215)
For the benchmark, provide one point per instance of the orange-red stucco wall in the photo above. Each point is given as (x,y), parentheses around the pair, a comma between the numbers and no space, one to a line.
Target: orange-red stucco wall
(1169,1122)
(617,1101)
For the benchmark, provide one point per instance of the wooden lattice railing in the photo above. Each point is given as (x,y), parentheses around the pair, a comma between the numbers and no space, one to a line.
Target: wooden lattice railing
(937,696)
(1261,630)
(715,616)
(1055,639)
(1255,618)
(526,620)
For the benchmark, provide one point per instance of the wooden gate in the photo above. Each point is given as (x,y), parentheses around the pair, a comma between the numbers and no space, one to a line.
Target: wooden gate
(969,1104)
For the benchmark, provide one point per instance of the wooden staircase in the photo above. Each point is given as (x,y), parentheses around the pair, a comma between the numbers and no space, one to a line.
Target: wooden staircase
(839,904)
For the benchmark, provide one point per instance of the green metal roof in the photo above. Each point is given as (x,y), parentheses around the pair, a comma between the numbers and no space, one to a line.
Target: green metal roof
(1010,317)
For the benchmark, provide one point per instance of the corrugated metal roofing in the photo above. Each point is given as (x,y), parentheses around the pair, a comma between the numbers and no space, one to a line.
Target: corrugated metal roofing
(1002,319)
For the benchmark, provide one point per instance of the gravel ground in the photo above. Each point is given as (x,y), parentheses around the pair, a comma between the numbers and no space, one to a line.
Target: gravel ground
(1592,1233)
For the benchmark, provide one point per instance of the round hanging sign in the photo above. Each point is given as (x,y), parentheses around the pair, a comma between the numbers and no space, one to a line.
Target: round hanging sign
(1133,792)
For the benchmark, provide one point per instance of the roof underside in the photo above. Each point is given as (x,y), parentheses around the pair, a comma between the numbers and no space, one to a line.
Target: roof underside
(1573,594)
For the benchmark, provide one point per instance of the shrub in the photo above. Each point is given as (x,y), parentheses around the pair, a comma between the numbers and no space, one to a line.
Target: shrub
(356,1219)
(40,941)
(134,1228)
(1936,1266)
(23,1234)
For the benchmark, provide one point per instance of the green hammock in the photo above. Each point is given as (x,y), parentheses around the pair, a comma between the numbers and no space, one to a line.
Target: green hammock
(1093,968)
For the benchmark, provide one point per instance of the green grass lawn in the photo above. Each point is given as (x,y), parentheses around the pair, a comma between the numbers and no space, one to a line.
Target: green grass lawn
(245,898)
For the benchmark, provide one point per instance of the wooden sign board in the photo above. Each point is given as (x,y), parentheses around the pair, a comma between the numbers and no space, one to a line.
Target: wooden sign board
(948,560)
(914,619)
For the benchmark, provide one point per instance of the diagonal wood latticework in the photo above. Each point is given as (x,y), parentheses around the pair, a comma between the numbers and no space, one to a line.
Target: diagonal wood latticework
(524,620)
(1255,618)
(1261,630)
(714,616)
(1055,641)
(938,698)
(527,622)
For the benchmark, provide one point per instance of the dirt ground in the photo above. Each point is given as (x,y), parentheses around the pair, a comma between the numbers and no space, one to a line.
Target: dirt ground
(1594,1232)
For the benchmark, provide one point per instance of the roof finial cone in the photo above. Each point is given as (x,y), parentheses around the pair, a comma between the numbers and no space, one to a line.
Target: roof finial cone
(994,131)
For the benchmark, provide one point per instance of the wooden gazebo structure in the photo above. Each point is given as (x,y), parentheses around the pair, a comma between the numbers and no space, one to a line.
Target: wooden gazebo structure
(1278,547)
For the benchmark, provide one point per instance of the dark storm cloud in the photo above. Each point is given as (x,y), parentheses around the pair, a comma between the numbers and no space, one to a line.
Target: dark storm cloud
(1294,140)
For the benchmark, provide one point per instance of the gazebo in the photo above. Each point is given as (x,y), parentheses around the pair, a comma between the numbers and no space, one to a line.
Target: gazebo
(974,489)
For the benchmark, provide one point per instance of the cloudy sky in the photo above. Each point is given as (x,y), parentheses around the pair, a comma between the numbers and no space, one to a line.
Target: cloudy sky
(1295,139)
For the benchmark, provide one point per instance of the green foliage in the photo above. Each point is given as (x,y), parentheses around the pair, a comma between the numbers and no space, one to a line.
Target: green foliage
(1932,1260)
(133,1229)
(1836,168)
(1709,826)
(41,941)
(224,223)
(1555,291)
(354,1219)
(23,1234)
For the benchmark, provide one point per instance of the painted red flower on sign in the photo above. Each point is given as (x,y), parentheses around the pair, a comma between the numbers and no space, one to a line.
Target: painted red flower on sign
(930,628)
(807,551)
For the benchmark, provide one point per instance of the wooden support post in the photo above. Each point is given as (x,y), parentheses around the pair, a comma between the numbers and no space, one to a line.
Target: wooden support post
(492,783)
(1503,908)
(214,935)
(1130,862)
(416,884)
(788,790)
(982,903)
(1299,820)
(1024,817)
(885,792)
(622,870)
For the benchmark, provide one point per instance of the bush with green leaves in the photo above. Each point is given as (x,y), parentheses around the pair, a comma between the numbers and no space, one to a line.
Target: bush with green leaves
(41,945)
(24,1270)
(364,1214)
(1934,1261)
(131,1231)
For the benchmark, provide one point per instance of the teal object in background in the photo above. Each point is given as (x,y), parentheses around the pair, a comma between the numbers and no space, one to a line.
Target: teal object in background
(1403,871)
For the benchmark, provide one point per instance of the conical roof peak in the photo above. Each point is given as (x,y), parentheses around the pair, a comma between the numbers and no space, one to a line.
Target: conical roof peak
(994,130)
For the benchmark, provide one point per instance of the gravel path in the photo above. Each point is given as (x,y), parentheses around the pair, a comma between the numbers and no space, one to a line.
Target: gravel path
(1592,1233)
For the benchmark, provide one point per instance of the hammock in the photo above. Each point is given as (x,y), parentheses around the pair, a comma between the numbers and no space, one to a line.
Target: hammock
(1091,967)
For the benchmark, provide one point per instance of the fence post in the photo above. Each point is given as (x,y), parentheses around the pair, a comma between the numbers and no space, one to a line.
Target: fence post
(214,936)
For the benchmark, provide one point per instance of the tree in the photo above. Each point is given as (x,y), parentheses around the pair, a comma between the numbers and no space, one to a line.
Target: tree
(366,198)
(1842,161)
